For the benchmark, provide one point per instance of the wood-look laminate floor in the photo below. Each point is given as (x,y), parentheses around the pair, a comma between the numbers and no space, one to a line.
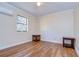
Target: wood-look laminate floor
(38,49)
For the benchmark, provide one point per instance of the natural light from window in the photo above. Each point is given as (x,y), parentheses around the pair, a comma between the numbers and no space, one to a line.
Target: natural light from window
(22,24)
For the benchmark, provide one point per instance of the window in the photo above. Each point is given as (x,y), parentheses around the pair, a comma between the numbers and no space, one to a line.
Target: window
(22,24)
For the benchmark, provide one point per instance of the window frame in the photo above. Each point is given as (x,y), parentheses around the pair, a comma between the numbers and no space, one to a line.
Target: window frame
(22,23)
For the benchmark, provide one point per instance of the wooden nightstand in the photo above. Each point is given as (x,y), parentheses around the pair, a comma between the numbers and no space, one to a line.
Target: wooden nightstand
(70,40)
(35,37)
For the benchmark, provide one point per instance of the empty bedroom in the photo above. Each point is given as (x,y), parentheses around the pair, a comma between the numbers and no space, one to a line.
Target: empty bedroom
(39,29)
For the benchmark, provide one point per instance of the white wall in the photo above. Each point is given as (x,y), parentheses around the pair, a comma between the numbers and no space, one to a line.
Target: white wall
(57,25)
(8,34)
(76,14)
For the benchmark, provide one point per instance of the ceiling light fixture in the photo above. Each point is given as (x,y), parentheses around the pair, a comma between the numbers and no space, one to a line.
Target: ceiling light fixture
(38,3)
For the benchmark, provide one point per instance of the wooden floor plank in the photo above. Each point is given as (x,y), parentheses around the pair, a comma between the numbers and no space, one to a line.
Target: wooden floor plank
(38,49)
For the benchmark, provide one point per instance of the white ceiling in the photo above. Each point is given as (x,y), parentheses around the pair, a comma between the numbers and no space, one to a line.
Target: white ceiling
(45,8)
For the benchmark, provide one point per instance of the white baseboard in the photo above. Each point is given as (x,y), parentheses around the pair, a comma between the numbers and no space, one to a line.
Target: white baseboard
(77,51)
(53,41)
(7,46)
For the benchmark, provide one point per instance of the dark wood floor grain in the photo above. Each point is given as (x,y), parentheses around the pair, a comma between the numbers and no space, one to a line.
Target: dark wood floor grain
(38,49)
